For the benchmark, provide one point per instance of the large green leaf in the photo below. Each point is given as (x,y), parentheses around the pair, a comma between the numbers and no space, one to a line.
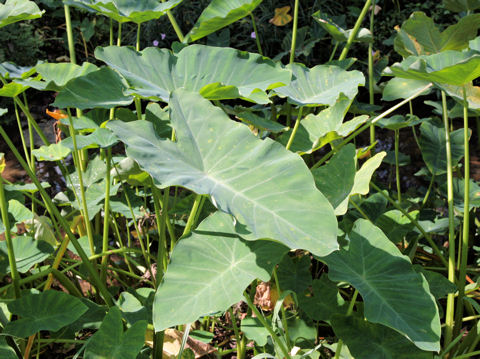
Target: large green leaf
(216,72)
(49,310)
(393,293)
(434,149)
(18,10)
(325,301)
(320,85)
(294,274)
(335,179)
(127,10)
(11,71)
(327,178)
(17,212)
(337,32)
(56,75)
(374,341)
(210,270)
(28,252)
(103,88)
(399,88)
(420,36)
(461,5)
(6,351)
(456,92)
(110,342)
(448,67)
(267,188)
(220,13)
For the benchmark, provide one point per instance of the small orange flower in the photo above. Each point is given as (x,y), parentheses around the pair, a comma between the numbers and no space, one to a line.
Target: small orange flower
(56,114)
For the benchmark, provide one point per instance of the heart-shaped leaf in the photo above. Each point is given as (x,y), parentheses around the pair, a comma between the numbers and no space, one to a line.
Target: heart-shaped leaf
(401,88)
(325,302)
(103,88)
(243,175)
(337,32)
(448,67)
(210,270)
(28,252)
(127,10)
(49,310)
(336,178)
(393,293)
(18,10)
(461,5)
(216,72)
(434,149)
(320,85)
(374,341)
(110,342)
(53,152)
(220,13)
(56,75)
(420,36)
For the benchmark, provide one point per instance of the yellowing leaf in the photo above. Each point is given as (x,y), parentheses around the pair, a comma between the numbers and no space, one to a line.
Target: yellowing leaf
(281,17)
(2,162)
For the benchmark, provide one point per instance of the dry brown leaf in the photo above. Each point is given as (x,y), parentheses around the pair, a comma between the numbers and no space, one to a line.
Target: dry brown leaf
(282,17)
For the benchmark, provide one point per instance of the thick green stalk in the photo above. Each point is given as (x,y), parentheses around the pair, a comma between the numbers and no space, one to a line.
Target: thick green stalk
(106,217)
(8,238)
(76,160)
(267,326)
(355,30)
(466,217)
(294,32)
(397,167)
(71,44)
(138,108)
(370,72)
(192,216)
(53,209)
(175,26)
(349,312)
(22,137)
(160,217)
(450,310)
(429,190)
(334,51)
(367,125)
(119,34)
(282,309)
(295,129)
(255,31)
(110,42)
(137,44)
(238,335)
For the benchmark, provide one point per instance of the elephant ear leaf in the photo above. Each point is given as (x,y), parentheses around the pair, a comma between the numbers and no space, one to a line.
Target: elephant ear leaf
(18,10)
(127,10)
(189,290)
(246,177)
(461,5)
(394,294)
(419,35)
(221,13)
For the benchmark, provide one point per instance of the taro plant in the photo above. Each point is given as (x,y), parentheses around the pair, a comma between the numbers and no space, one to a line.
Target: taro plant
(212,196)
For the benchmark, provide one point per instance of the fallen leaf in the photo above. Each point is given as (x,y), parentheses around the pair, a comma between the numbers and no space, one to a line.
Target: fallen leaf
(281,17)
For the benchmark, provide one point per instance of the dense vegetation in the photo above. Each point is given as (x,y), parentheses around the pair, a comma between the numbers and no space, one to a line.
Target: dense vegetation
(281,181)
